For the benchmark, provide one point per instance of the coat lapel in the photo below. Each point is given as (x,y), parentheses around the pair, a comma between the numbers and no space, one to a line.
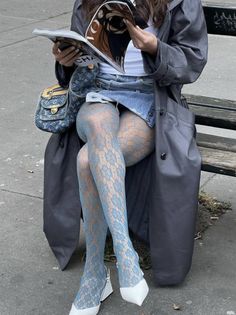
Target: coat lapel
(163,32)
(173,4)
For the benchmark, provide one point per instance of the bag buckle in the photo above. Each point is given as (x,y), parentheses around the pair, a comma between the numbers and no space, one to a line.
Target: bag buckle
(54,110)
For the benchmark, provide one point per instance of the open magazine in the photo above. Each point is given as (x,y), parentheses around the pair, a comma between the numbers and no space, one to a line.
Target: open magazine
(106,38)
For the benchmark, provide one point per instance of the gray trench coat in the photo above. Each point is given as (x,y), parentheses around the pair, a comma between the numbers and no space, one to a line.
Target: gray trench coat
(162,190)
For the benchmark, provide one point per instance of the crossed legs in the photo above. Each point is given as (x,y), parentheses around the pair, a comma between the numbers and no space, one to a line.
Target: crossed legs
(112,143)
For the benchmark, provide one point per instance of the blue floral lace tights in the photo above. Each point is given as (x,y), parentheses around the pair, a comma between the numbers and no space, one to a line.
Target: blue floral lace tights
(112,142)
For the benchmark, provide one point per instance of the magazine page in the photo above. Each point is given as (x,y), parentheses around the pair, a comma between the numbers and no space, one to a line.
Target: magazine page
(69,38)
(89,54)
(66,36)
(108,32)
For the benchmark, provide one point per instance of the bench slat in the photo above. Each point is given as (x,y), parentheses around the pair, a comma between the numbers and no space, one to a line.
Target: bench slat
(212,111)
(212,102)
(218,161)
(216,142)
(229,4)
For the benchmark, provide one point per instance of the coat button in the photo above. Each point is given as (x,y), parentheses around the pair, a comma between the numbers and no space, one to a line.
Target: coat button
(163,156)
(161,112)
(61,144)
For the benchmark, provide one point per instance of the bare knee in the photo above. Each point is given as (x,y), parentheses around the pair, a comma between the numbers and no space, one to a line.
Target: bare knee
(82,161)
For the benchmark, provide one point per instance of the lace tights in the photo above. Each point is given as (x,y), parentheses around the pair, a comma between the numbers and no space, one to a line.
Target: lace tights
(112,143)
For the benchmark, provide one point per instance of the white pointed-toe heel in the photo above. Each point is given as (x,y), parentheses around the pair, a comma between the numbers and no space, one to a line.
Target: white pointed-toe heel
(136,294)
(94,310)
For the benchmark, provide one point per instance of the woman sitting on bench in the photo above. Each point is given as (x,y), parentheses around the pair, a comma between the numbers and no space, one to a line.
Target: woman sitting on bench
(118,126)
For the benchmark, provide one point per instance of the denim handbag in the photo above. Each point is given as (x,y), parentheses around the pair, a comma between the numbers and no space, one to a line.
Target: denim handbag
(58,107)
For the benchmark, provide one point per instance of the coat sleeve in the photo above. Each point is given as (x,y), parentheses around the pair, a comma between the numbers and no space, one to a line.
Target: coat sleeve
(63,74)
(182,59)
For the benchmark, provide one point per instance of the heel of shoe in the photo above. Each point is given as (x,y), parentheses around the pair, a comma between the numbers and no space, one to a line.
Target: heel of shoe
(108,290)
(94,310)
(136,294)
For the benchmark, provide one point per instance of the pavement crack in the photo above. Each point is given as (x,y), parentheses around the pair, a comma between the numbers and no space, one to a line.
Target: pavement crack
(23,40)
(21,194)
(17,42)
(208,180)
(17,17)
(33,21)
(17,28)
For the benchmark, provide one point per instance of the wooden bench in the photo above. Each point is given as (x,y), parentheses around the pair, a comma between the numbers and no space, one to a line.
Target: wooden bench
(218,153)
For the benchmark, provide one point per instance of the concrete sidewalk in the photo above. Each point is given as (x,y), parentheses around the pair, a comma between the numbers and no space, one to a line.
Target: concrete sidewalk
(30,281)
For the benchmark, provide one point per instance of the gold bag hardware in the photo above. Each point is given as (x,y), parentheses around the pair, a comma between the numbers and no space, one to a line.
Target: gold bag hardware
(54,90)
(54,110)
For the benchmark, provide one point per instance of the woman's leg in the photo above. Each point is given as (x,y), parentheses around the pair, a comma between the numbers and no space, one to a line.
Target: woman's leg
(136,140)
(95,228)
(100,125)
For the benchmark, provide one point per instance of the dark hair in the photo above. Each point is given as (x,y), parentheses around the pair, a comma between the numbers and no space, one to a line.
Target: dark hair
(146,8)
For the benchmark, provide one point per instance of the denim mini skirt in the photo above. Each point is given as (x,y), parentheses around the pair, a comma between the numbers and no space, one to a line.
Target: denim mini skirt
(134,93)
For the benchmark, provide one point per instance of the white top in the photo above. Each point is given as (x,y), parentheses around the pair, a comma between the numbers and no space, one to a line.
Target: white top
(133,63)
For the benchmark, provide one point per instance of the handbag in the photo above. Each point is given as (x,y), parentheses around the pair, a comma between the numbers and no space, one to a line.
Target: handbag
(57,107)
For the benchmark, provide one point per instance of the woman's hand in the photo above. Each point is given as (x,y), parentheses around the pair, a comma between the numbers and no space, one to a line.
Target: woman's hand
(65,57)
(142,40)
